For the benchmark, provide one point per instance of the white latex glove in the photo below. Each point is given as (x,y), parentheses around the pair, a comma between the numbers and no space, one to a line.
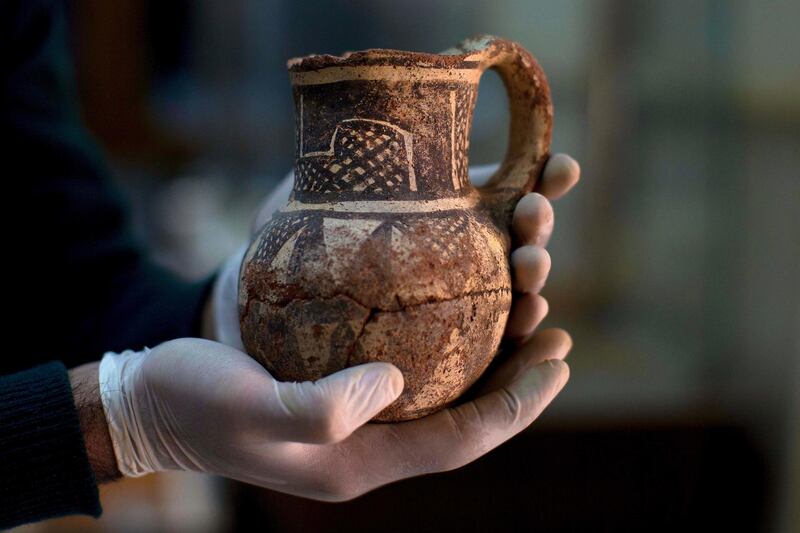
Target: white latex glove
(199,405)
(193,404)
(225,294)
(532,226)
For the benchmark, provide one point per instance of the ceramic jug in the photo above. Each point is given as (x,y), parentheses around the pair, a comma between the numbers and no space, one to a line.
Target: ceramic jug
(385,251)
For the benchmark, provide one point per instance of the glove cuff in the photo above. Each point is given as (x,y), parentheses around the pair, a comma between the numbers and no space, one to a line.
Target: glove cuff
(131,447)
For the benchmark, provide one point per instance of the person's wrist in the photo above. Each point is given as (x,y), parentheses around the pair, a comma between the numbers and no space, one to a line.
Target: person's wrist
(92,419)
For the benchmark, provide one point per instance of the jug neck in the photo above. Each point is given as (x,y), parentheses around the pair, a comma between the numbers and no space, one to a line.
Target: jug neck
(382,126)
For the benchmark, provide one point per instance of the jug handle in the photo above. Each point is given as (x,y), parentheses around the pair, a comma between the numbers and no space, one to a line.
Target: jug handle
(531,113)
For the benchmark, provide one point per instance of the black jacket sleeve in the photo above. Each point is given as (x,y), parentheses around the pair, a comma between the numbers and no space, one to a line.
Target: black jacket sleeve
(44,471)
(76,282)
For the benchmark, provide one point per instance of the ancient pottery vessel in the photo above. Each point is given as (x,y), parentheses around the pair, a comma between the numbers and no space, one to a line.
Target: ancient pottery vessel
(385,251)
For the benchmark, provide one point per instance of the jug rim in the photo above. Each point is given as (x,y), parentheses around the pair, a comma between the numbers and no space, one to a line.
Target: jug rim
(464,56)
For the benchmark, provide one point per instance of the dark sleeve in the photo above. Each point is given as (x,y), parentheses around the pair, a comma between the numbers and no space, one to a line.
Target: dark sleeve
(81,283)
(75,282)
(44,471)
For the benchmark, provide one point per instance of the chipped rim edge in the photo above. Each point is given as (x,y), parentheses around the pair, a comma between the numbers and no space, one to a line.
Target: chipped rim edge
(465,55)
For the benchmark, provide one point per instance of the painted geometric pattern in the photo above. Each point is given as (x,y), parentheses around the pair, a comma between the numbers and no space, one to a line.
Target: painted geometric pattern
(438,234)
(443,233)
(281,230)
(365,156)
(464,102)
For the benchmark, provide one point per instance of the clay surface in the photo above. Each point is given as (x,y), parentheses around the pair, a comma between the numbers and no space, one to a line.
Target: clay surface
(385,251)
(428,293)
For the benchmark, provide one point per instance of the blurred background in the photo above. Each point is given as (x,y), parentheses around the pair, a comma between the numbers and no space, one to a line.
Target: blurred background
(675,262)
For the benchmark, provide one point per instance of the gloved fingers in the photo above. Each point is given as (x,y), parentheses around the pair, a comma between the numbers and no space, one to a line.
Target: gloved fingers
(532,222)
(527,312)
(377,454)
(451,438)
(225,302)
(330,409)
(492,419)
(561,173)
(552,343)
(530,266)
(276,199)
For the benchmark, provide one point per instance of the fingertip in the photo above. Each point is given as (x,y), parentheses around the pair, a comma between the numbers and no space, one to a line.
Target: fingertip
(542,307)
(530,266)
(555,341)
(561,174)
(533,219)
(527,311)
(575,168)
(338,404)
(534,208)
(546,379)
(560,368)
(562,166)
(395,380)
(385,376)
(530,202)
(529,255)
(566,339)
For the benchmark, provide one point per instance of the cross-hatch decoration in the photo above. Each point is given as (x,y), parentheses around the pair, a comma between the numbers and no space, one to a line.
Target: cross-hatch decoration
(364,156)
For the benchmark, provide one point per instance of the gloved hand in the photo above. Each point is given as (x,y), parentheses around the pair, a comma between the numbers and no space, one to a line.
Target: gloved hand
(532,226)
(193,404)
